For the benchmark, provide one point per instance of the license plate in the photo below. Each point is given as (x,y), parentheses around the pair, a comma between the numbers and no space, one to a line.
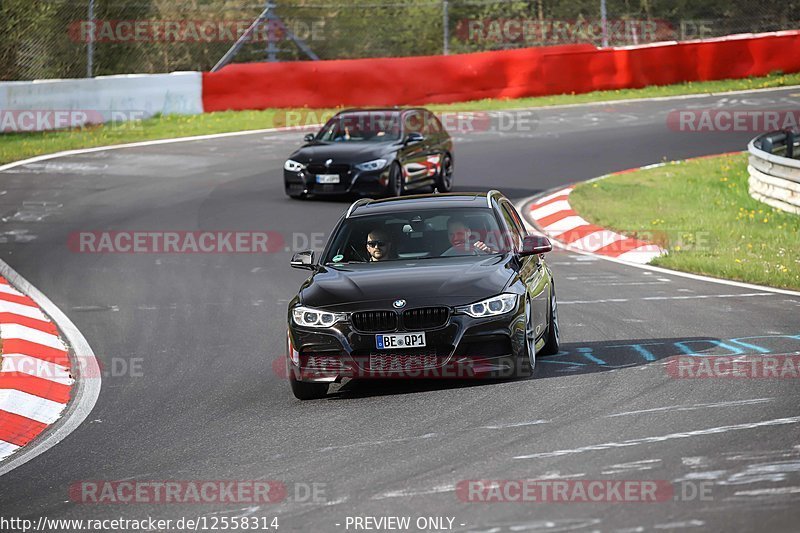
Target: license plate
(327,178)
(399,340)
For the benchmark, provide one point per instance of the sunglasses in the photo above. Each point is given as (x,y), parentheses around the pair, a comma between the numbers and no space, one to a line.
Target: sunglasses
(373,244)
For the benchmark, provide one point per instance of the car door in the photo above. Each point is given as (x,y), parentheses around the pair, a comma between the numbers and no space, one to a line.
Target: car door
(414,155)
(532,271)
(435,137)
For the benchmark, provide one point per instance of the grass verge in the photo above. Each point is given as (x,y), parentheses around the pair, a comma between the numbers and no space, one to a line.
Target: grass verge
(16,146)
(700,210)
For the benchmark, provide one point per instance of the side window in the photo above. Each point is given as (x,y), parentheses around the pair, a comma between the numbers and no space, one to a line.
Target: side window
(432,124)
(512,224)
(413,122)
(523,231)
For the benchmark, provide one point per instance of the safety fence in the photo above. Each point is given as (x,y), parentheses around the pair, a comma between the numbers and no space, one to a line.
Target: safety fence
(84,38)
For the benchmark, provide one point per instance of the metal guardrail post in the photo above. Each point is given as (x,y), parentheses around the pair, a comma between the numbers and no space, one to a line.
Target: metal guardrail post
(445,28)
(90,44)
(224,60)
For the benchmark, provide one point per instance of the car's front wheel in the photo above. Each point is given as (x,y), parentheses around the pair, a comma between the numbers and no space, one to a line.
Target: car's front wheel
(526,362)
(553,342)
(444,179)
(396,187)
(308,391)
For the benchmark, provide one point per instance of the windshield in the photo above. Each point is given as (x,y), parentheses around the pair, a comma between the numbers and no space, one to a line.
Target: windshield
(375,126)
(418,234)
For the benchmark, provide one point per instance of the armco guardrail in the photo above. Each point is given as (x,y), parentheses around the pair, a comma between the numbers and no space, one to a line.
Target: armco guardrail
(774,172)
(53,104)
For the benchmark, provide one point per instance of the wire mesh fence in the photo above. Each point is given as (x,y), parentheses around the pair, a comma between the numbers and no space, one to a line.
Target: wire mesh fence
(77,38)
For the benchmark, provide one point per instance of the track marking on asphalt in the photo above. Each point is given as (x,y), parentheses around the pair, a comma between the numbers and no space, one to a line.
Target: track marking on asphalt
(768,492)
(684,524)
(516,424)
(662,438)
(377,442)
(406,493)
(663,298)
(673,408)
(633,466)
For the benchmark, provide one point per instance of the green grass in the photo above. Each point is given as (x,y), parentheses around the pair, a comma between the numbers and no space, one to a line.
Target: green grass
(701,211)
(14,147)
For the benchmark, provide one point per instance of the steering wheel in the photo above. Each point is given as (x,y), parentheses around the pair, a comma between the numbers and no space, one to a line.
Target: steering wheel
(357,253)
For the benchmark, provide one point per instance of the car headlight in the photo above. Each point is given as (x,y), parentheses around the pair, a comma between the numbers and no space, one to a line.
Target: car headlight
(496,305)
(372,165)
(293,166)
(314,318)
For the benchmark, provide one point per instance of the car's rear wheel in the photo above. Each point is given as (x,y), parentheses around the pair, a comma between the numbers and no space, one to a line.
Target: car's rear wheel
(526,363)
(308,391)
(444,179)
(396,186)
(553,342)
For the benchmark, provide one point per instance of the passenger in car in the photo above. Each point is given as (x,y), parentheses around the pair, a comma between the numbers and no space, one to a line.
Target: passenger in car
(464,241)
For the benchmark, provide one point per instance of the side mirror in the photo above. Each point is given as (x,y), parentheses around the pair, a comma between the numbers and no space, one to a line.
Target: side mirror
(303,260)
(535,245)
(309,137)
(413,138)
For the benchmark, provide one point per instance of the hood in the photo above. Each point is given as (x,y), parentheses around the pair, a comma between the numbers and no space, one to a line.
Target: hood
(341,153)
(448,281)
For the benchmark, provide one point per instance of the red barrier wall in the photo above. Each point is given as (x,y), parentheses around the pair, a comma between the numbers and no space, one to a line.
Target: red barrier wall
(505,74)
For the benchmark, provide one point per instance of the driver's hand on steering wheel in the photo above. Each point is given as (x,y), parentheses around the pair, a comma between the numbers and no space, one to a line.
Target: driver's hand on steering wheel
(481,247)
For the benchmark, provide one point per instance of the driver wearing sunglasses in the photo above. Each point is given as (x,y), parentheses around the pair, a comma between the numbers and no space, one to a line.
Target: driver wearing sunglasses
(378,246)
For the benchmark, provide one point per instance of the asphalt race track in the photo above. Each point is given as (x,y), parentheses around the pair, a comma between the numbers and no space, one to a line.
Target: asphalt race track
(194,337)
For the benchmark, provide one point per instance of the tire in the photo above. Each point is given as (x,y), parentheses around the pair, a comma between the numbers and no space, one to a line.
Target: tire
(308,391)
(526,364)
(553,342)
(396,185)
(444,179)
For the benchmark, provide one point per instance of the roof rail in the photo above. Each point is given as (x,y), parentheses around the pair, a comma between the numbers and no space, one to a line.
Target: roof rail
(357,203)
(489,196)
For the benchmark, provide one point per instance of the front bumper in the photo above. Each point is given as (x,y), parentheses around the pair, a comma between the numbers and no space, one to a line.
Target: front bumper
(350,181)
(464,348)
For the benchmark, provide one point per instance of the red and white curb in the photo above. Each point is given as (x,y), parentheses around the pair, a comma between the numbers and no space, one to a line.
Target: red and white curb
(35,378)
(554,215)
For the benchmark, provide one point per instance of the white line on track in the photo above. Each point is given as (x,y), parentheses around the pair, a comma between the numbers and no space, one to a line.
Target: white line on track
(663,438)
(674,408)
(663,298)
(768,492)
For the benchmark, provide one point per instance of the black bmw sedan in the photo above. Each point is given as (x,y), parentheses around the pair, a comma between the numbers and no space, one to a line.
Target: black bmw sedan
(447,285)
(373,152)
